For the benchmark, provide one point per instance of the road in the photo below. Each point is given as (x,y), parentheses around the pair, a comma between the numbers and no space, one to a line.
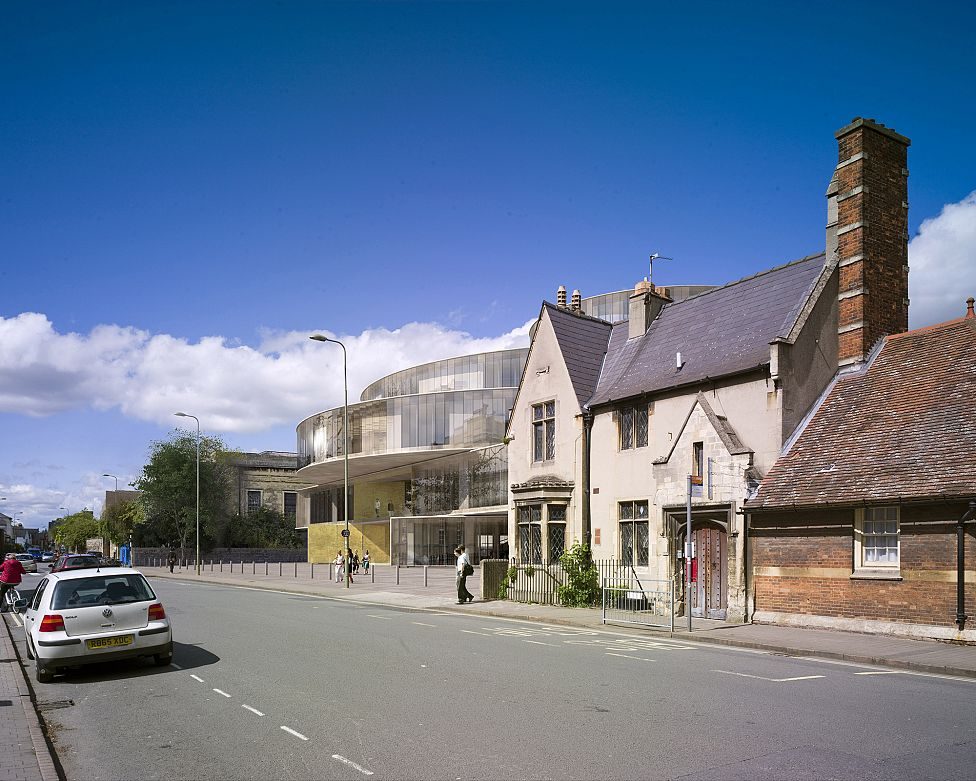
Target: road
(274,685)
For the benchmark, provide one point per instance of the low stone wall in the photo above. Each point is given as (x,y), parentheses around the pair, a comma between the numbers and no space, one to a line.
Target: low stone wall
(492,574)
(153,556)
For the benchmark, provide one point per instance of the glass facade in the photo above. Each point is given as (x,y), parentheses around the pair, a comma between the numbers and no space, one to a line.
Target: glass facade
(433,416)
(612,307)
(501,369)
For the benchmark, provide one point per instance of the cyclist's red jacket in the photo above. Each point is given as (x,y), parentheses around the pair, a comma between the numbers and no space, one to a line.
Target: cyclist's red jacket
(11,570)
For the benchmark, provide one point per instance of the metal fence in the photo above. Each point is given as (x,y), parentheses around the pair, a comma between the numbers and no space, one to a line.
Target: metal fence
(650,604)
(539,582)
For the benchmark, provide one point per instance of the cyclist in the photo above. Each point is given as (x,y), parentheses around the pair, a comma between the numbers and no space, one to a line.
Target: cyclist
(10,574)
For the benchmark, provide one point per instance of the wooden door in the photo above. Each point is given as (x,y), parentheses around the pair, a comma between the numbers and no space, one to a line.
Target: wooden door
(709,595)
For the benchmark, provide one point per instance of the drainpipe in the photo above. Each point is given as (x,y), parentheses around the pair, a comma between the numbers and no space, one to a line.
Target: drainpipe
(961,565)
(585,487)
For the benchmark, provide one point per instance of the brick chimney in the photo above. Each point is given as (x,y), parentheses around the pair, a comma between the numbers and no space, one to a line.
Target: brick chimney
(867,212)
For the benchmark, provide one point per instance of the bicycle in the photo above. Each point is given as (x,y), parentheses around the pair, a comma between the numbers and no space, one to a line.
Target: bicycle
(10,599)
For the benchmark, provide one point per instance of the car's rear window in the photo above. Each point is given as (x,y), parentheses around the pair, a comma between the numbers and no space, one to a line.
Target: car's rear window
(81,561)
(101,590)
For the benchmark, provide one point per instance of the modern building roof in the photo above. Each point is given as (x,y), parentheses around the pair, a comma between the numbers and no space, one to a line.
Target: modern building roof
(721,332)
(901,429)
(584,338)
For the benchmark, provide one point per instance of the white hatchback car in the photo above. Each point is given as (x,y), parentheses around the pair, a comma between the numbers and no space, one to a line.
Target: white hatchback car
(28,562)
(88,616)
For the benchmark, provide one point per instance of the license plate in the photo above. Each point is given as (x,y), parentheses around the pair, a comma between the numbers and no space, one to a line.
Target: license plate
(110,642)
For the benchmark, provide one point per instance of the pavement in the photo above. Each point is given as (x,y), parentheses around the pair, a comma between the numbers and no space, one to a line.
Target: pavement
(27,756)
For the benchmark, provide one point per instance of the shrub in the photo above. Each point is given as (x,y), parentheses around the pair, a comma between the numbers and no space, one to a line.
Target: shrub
(583,586)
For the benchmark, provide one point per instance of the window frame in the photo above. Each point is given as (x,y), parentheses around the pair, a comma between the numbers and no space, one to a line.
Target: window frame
(863,517)
(543,420)
(633,413)
(247,499)
(640,557)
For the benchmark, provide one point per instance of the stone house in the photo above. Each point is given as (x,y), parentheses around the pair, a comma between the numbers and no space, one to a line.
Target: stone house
(701,392)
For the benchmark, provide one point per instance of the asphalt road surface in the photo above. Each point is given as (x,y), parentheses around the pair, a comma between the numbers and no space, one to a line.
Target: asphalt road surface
(268,685)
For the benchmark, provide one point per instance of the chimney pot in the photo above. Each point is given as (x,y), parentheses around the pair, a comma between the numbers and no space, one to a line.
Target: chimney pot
(561,296)
(577,301)
(969,307)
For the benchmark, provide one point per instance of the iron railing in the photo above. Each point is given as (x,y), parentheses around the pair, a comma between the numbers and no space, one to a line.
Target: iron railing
(652,604)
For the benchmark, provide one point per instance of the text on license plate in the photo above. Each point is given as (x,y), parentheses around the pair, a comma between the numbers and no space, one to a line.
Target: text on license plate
(110,642)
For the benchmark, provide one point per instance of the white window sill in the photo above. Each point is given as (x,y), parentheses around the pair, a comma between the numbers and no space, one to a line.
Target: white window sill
(876,574)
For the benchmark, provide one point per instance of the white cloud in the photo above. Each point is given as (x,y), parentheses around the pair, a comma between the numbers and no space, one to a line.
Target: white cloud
(230,387)
(942,258)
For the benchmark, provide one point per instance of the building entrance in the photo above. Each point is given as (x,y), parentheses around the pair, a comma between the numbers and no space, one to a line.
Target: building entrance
(709,594)
(431,540)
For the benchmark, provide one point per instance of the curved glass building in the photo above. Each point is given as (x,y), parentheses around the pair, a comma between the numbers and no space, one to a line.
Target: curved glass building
(427,467)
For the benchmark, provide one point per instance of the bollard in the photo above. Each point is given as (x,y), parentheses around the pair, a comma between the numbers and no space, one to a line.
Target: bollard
(242,566)
(313,570)
(296,569)
(425,576)
(398,574)
(279,569)
(372,575)
(221,565)
(254,567)
(265,568)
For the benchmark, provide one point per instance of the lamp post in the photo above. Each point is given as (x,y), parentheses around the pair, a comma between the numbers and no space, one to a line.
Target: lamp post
(131,560)
(345,443)
(184,415)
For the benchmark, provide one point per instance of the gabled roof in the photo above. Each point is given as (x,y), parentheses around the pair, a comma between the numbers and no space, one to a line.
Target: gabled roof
(901,429)
(726,433)
(583,343)
(725,331)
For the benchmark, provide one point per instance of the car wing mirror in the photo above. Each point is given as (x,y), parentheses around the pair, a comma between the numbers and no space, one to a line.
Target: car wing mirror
(20,605)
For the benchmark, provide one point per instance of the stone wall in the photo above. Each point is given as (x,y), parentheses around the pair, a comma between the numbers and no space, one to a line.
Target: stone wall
(148,556)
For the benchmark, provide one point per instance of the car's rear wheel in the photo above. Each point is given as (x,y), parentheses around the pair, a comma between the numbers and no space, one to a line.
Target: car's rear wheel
(43,674)
(161,660)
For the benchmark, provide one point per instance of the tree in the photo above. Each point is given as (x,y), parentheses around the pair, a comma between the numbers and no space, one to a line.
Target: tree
(261,528)
(73,531)
(120,520)
(168,485)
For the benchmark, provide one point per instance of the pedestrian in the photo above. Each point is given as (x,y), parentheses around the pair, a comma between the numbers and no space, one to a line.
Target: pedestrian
(355,562)
(464,569)
(349,564)
(10,574)
(172,559)
(338,566)
(366,561)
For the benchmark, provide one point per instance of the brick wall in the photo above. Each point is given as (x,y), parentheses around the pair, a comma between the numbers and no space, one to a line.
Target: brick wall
(801,563)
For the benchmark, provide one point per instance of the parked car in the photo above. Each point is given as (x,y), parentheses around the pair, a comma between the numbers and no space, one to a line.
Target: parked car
(28,562)
(48,556)
(84,617)
(75,561)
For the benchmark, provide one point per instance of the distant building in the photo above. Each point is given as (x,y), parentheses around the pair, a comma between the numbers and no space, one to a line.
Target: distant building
(268,479)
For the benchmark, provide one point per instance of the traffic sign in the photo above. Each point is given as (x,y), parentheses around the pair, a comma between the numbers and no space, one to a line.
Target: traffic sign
(345,532)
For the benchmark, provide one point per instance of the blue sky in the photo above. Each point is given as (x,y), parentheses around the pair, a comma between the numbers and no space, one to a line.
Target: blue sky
(189,189)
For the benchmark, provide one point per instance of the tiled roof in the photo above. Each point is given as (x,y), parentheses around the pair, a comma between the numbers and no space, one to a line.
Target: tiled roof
(583,342)
(903,428)
(724,331)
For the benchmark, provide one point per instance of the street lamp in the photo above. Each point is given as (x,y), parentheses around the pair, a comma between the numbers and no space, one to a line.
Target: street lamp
(184,415)
(345,442)
(131,560)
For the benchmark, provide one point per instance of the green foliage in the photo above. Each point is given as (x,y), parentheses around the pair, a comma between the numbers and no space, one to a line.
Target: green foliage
(512,574)
(502,590)
(120,520)
(168,485)
(263,528)
(73,531)
(583,587)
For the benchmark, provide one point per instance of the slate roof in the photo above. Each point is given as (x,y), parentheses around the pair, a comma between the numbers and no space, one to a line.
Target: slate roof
(722,332)
(903,428)
(582,340)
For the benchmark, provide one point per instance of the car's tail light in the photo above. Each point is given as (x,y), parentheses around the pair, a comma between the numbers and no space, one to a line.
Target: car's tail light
(156,612)
(52,623)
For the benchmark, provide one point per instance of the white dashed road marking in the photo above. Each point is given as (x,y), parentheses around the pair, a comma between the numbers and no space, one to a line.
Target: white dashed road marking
(881,672)
(539,642)
(773,680)
(385,618)
(624,656)
(253,710)
(175,666)
(421,623)
(222,693)
(349,762)
(290,731)
(196,677)
(472,632)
